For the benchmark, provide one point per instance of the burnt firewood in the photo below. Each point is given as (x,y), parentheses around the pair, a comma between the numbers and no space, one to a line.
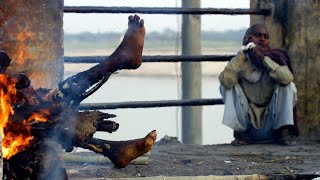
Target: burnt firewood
(107,126)
(81,126)
(69,126)
(98,120)
(40,162)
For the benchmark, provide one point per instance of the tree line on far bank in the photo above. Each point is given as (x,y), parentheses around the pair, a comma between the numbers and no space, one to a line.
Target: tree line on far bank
(164,36)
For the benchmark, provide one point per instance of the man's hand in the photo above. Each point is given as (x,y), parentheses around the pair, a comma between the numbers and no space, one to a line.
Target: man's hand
(247,47)
(241,74)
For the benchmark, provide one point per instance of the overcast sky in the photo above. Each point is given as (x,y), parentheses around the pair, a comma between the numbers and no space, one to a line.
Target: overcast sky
(75,23)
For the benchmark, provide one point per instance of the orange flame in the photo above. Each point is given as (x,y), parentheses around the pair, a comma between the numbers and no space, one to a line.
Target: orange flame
(15,136)
(39,117)
(22,51)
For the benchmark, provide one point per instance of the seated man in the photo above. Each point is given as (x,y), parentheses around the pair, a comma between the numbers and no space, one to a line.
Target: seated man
(258,91)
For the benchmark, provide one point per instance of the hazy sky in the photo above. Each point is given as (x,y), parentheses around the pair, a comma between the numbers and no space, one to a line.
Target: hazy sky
(75,23)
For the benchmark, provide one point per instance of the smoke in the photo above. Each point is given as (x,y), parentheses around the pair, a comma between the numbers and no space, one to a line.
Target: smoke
(50,163)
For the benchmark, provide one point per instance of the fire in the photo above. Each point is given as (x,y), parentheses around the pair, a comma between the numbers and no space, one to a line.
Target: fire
(22,51)
(39,117)
(16,135)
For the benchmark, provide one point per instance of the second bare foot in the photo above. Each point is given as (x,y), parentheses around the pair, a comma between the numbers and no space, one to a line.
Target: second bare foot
(121,153)
(130,150)
(129,52)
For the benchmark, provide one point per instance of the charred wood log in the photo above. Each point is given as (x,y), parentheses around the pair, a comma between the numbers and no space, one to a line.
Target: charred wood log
(71,126)
(41,162)
(81,126)
(98,120)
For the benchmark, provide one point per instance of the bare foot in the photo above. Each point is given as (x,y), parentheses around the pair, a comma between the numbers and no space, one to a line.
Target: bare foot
(129,52)
(130,150)
(121,153)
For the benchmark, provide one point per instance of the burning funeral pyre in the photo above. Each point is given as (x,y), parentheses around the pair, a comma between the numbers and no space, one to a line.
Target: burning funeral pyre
(32,117)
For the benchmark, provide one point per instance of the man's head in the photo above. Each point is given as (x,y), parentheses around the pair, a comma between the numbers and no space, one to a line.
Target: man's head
(4,62)
(258,34)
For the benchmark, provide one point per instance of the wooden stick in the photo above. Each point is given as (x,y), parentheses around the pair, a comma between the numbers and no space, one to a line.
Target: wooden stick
(99,159)
(235,177)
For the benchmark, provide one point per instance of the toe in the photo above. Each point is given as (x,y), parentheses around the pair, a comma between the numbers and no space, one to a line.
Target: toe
(131,19)
(153,135)
(136,19)
(141,24)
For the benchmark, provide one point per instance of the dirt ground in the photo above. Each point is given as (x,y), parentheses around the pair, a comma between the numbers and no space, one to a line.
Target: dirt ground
(171,158)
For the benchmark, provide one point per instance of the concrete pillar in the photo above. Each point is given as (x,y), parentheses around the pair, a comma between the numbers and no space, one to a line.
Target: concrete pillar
(31,33)
(191,75)
(294,26)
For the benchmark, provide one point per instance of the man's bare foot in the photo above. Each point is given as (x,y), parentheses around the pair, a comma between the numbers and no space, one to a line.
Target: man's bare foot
(130,150)
(121,153)
(129,52)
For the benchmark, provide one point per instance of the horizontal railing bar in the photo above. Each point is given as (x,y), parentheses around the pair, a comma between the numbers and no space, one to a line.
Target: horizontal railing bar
(165,10)
(173,58)
(150,104)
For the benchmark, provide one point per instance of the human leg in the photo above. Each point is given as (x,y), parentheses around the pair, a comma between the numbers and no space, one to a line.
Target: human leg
(236,113)
(283,102)
(281,107)
(236,108)
(128,55)
(121,153)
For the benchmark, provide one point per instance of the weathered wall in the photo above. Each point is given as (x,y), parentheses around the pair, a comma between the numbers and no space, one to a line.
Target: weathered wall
(294,26)
(31,33)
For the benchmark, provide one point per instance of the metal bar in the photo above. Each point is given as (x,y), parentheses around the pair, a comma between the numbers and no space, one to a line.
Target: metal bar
(165,10)
(174,58)
(150,104)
